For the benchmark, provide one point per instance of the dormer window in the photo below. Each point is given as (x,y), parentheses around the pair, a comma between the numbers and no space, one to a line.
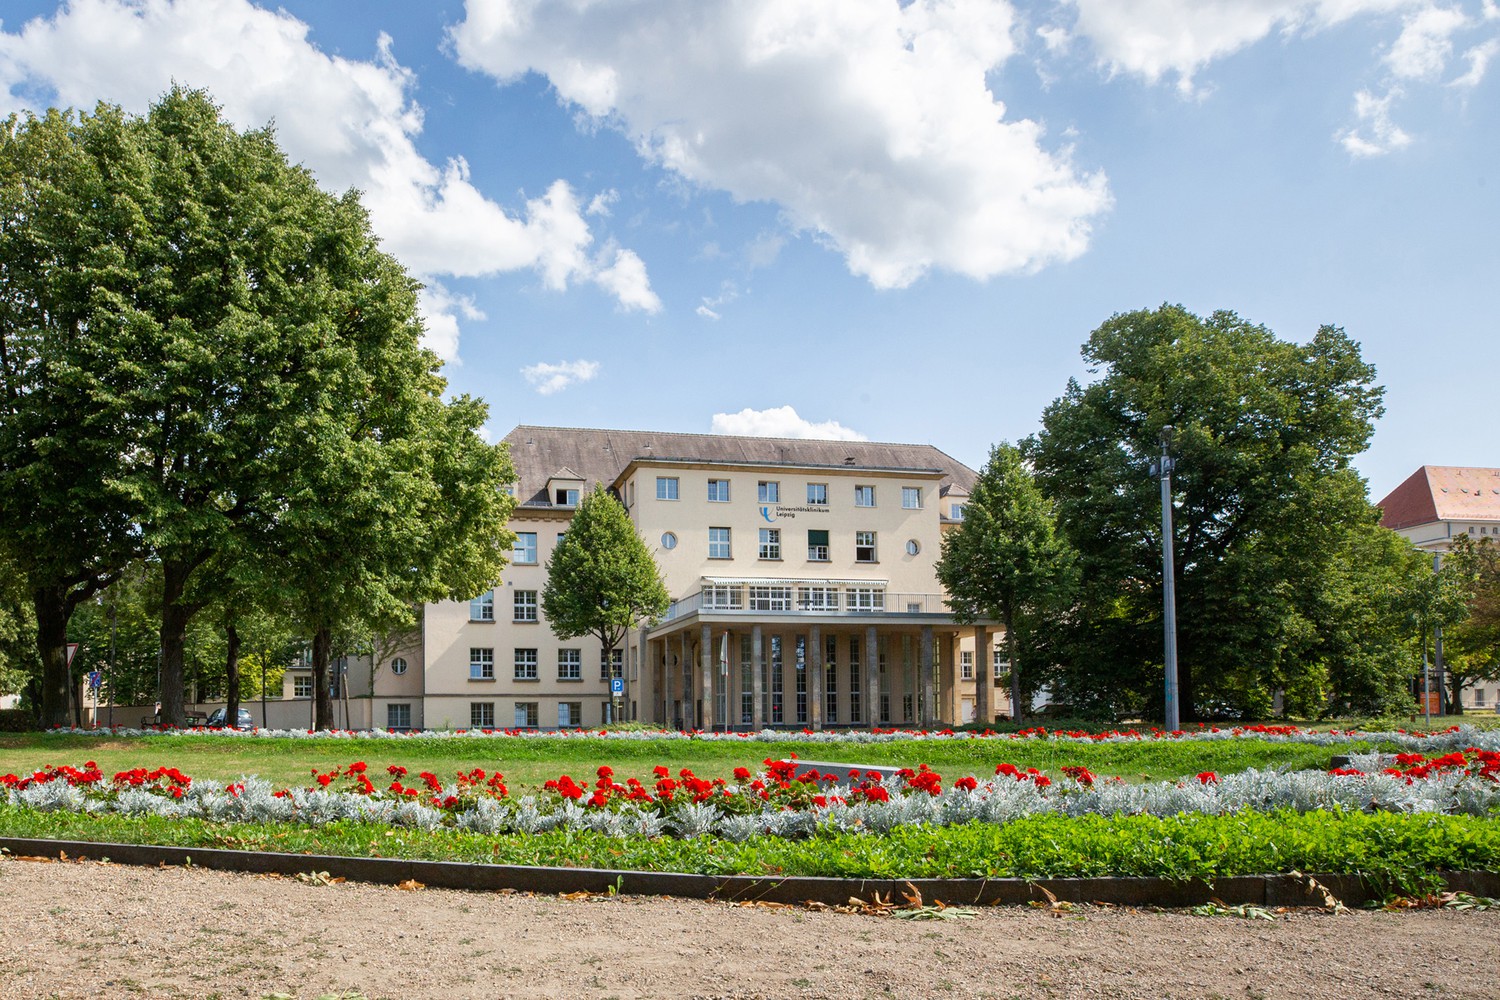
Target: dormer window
(566,498)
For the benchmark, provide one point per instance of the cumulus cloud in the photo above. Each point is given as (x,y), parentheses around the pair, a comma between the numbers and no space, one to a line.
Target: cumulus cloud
(1425,43)
(548,379)
(1374,133)
(781,421)
(1478,59)
(351,121)
(870,124)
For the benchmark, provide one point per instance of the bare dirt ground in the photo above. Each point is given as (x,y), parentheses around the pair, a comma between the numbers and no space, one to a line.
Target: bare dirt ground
(89,929)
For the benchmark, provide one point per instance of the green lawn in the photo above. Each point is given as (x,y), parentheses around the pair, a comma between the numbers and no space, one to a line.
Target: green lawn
(530,761)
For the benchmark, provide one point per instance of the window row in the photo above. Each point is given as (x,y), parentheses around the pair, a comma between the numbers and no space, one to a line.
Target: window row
(525,714)
(755,597)
(818,548)
(769,491)
(524,664)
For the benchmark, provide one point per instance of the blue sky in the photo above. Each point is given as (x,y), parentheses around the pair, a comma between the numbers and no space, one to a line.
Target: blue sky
(857,217)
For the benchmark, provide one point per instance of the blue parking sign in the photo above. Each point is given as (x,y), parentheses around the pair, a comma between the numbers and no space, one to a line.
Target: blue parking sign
(617,685)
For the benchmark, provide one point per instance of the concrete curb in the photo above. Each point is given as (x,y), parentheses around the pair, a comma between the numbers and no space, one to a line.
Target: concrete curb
(1256,890)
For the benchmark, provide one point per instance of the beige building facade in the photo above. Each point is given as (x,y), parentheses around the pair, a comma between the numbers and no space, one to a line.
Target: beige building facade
(803,585)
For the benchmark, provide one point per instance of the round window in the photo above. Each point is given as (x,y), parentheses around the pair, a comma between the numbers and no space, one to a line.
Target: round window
(398,666)
(668,540)
(913,547)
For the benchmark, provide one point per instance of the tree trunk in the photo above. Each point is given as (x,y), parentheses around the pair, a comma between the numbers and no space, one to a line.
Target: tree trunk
(1455,693)
(51,606)
(232,673)
(174,622)
(322,650)
(1017,712)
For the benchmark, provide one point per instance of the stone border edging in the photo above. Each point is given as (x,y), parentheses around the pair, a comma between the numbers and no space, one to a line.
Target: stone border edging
(1255,890)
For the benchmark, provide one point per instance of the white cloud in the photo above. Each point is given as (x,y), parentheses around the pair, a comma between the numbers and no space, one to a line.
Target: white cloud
(868,123)
(1479,60)
(352,122)
(602,202)
(440,311)
(781,421)
(1375,134)
(548,379)
(709,306)
(1426,41)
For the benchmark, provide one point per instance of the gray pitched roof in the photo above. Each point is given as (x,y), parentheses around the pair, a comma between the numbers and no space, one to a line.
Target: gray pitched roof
(598,456)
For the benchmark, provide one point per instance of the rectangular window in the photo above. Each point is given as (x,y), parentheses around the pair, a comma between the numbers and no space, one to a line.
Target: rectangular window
(570,664)
(569,714)
(747,695)
(856,699)
(770,598)
(1479,696)
(911,497)
(523,553)
(770,543)
(864,496)
(830,680)
(817,545)
(527,715)
(525,665)
(302,687)
(723,597)
(1001,666)
(482,715)
(666,487)
(866,599)
(801,665)
(817,494)
(481,664)
(482,608)
(718,490)
(777,710)
(614,666)
(958,512)
(398,716)
(864,546)
(818,598)
(966,665)
(718,543)
(768,492)
(524,606)
(566,498)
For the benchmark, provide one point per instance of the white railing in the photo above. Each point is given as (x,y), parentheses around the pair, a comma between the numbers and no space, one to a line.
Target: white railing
(849,601)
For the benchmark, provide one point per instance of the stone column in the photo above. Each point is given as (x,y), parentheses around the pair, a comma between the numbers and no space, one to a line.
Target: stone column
(872,678)
(984,684)
(929,685)
(815,678)
(757,668)
(706,654)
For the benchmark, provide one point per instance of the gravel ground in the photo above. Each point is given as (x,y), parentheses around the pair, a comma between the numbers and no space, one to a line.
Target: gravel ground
(91,929)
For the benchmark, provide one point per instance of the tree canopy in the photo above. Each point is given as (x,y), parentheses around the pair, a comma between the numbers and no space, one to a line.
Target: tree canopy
(1006,562)
(601,579)
(1265,503)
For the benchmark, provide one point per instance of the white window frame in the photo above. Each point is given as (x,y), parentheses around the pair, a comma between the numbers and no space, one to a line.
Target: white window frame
(524,664)
(720,548)
(482,608)
(569,714)
(956,512)
(481,715)
(527,715)
(524,606)
(966,665)
(667,487)
(570,664)
(1000,666)
(911,498)
(818,598)
(768,491)
(817,494)
(718,491)
(523,552)
(770,544)
(394,709)
(481,663)
(723,597)
(864,547)
(770,598)
(864,495)
(302,687)
(819,553)
(398,666)
(865,599)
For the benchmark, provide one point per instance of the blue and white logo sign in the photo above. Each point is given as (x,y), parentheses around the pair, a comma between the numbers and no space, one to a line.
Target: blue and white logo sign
(617,685)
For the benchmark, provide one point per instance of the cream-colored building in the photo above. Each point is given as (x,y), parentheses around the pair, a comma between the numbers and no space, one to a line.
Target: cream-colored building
(802,580)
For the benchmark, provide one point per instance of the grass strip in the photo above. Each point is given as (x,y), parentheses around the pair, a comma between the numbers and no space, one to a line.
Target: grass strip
(1398,853)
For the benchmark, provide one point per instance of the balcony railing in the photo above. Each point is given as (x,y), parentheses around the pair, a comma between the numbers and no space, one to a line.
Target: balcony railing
(794,601)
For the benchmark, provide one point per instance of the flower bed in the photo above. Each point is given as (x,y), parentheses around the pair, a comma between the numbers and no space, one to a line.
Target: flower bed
(786,800)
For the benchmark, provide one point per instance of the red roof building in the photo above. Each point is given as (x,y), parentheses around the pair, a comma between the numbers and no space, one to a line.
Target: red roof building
(1438,502)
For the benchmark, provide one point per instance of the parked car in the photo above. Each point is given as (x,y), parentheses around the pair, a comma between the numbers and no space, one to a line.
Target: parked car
(216,720)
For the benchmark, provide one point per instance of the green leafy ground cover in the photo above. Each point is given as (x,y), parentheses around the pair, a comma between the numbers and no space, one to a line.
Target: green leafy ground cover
(1399,853)
(527,762)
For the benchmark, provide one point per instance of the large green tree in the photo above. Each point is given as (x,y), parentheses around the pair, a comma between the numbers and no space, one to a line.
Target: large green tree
(1006,562)
(601,579)
(1471,639)
(1264,502)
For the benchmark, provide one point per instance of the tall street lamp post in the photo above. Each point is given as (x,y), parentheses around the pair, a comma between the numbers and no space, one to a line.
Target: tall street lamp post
(1162,468)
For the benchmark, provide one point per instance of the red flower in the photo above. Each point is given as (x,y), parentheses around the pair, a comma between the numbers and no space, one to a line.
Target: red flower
(1208,778)
(742,774)
(967,783)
